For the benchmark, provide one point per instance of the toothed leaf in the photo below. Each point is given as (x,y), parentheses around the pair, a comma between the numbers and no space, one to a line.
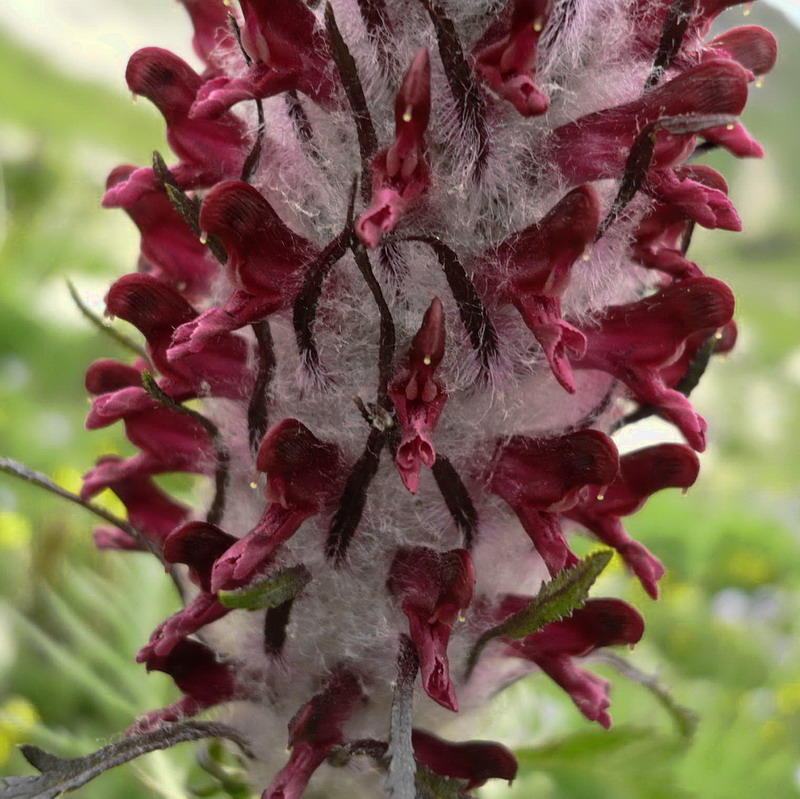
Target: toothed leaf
(557,599)
(280,587)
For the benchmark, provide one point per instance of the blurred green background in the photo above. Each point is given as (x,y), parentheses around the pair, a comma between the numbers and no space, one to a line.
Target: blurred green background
(723,639)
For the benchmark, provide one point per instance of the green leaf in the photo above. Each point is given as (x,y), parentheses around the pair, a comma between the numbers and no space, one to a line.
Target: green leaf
(75,668)
(556,599)
(280,587)
(99,651)
(586,745)
(59,775)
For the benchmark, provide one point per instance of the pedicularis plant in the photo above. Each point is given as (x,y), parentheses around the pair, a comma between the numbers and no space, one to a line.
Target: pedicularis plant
(417,259)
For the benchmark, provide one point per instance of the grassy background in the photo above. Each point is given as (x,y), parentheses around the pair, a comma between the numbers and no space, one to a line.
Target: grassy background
(724,638)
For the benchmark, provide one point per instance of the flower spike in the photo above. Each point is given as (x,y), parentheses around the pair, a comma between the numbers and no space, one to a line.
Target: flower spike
(530,170)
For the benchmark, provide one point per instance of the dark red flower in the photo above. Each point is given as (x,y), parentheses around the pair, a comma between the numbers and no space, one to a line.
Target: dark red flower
(170,250)
(634,342)
(474,761)
(209,150)
(600,622)
(219,369)
(107,375)
(198,545)
(314,732)
(698,192)
(641,474)
(433,588)
(506,55)
(683,195)
(266,261)
(304,474)
(288,53)
(419,397)
(541,478)
(204,681)
(755,48)
(151,511)
(597,146)
(169,442)
(537,261)
(400,173)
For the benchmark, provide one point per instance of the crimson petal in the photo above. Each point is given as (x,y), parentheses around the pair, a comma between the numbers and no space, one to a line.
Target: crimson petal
(314,732)
(419,397)
(474,761)
(641,474)
(433,588)
(540,478)
(400,174)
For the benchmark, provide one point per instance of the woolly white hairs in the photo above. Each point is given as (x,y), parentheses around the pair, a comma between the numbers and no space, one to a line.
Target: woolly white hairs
(353,618)
(446,285)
